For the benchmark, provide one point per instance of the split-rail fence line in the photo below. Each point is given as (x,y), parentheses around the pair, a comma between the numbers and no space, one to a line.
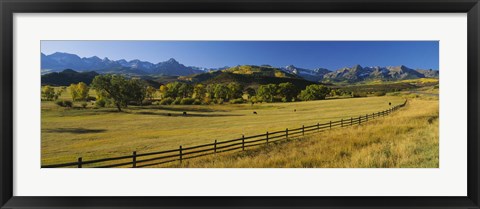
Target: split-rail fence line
(138,160)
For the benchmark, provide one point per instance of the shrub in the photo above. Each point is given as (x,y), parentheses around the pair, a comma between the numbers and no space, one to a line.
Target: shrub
(359,94)
(219,101)
(84,105)
(197,102)
(63,103)
(236,101)
(187,101)
(68,103)
(60,103)
(146,102)
(379,93)
(100,102)
(166,101)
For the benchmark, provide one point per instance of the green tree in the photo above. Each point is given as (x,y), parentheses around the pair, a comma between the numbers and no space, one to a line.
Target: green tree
(220,91)
(136,90)
(267,92)
(48,93)
(249,92)
(119,89)
(234,90)
(314,92)
(173,90)
(287,91)
(185,90)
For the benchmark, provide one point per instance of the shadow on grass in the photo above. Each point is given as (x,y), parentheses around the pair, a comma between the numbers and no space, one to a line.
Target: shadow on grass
(177,108)
(75,130)
(180,114)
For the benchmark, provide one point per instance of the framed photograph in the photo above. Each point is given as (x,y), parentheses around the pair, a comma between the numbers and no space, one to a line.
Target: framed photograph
(239,104)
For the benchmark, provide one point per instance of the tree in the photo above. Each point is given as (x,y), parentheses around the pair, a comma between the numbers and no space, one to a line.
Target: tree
(150,92)
(234,90)
(119,89)
(79,92)
(73,91)
(173,90)
(210,91)
(220,91)
(199,91)
(185,90)
(48,93)
(163,91)
(267,92)
(314,92)
(250,92)
(58,93)
(287,91)
(136,90)
(83,90)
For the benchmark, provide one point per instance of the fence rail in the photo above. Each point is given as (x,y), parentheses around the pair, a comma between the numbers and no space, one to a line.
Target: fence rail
(184,153)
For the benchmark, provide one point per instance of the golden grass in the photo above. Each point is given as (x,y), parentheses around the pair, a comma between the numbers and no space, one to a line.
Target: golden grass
(99,133)
(408,138)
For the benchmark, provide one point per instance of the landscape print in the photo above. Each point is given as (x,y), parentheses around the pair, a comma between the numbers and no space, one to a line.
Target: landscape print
(239,104)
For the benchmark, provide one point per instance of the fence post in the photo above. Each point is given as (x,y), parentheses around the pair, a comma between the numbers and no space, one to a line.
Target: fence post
(366,116)
(318,127)
(80,162)
(267,137)
(243,142)
(215,146)
(351,121)
(134,162)
(330,124)
(342,122)
(181,157)
(303,130)
(286,133)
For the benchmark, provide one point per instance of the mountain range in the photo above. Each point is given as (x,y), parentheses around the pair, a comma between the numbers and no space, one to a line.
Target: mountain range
(358,73)
(59,61)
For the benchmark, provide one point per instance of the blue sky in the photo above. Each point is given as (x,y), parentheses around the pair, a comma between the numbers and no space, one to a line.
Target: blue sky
(307,54)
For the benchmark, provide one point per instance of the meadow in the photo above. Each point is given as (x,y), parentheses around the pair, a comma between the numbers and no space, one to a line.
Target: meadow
(408,138)
(69,133)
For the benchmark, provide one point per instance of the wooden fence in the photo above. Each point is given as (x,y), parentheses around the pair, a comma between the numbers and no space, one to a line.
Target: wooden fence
(138,160)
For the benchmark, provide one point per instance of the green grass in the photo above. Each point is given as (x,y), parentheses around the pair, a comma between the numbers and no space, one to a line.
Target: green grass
(97,133)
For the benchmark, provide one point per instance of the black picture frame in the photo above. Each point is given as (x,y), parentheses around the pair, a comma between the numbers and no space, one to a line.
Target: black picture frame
(9,7)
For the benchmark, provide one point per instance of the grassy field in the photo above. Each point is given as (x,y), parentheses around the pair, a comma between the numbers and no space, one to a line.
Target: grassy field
(406,138)
(97,133)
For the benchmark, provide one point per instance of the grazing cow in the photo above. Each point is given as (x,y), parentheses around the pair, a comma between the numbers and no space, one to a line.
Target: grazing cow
(390,104)
(254,112)
(169,114)
(295,110)
(184,113)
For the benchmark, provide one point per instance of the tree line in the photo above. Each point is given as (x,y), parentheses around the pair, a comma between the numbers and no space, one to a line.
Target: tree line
(118,91)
